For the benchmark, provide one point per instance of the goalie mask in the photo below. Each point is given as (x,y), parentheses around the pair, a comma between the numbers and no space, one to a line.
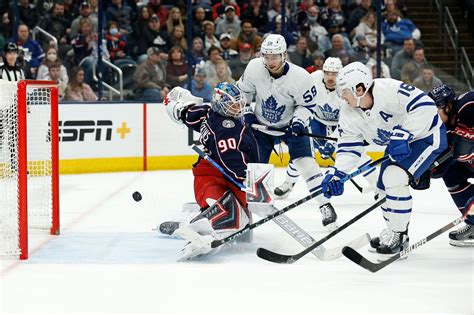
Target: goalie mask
(228,100)
(273,52)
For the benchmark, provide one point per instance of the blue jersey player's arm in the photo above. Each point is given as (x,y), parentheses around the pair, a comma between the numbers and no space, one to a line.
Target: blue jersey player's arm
(195,115)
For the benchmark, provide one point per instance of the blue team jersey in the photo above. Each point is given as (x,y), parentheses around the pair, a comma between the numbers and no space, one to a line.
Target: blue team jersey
(227,140)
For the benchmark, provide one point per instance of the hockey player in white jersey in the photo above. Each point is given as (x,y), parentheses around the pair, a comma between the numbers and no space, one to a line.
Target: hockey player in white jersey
(324,123)
(285,98)
(391,113)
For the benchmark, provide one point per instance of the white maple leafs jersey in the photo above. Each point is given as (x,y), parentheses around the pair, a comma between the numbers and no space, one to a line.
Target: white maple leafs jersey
(328,104)
(395,104)
(278,100)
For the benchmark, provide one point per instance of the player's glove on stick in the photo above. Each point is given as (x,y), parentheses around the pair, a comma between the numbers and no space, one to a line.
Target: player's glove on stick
(326,150)
(295,128)
(331,184)
(399,145)
(249,116)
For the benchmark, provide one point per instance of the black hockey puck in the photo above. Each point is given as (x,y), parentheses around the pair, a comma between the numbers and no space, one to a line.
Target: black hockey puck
(137,196)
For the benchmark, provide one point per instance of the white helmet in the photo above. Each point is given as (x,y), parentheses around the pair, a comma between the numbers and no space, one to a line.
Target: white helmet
(352,75)
(273,44)
(332,64)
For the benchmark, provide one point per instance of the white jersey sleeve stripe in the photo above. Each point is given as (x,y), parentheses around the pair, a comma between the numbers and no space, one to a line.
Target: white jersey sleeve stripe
(422,104)
(413,101)
(349,151)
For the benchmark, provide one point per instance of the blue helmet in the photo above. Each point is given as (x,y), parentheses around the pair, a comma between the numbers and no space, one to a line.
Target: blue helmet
(228,100)
(442,95)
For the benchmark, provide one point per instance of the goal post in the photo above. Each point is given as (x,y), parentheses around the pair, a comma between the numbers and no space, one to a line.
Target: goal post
(29,169)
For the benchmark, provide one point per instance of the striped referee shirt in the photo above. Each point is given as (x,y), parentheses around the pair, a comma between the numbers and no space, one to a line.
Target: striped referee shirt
(11,73)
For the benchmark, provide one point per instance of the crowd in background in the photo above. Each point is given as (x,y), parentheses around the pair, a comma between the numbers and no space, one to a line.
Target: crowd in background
(147,40)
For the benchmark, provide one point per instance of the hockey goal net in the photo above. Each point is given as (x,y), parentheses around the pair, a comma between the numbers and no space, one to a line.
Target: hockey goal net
(29,180)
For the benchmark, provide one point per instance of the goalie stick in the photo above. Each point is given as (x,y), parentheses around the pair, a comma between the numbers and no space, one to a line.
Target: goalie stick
(290,227)
(357,258)
(289,259)
(248,227)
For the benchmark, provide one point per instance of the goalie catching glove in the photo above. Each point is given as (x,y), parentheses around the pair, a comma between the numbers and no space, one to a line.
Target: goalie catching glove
(178,101)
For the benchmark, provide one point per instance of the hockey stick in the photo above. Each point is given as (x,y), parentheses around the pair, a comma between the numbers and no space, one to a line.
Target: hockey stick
(286,223)
(353,255)
(217,243)
(289,259)
(280,132)
(360,189)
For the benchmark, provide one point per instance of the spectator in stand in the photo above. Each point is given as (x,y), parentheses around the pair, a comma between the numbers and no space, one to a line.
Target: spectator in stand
(5,26)
(83,45)
(402,57)
(117,45)
(85,12)
(198,55)
(71,9)
(122,14)
(222,74)
(344,56)
(176,69)
(31,50)
(337,43)
(304,32)
(94,4)
(155,7)
(301,16)
(220,8)
(325,42)
(54,74)
(52,58)
(368,28)
(227,53)
(150,78)
(177,37)
(257,13)
(427,80)
(275,9)
(361,51)
(396,29)
(141,22)
(174,19)
(214,55)
(230,23)
(318,61)
(56,24)
(300,56)
(316,30)
(248,35)
(199,18)
(276,29)
(152,36)
(364,7)
(28,13)
(391,5)
(199,85)
(210,38)
(333,12)
(412,69)
(238,65)
(372,62)
(77,89)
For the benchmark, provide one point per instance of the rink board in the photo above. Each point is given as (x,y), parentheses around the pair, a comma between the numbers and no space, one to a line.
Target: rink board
(111,137)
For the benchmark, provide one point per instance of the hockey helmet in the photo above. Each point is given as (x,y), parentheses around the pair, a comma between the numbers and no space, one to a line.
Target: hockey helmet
(273,44)
(442,95)
(11,47)
(351,76)
(228,100)
(332,64)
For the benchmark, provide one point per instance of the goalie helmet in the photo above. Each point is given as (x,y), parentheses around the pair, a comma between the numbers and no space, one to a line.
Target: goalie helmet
(228,100)
(442,95)
(351,76)
(332,65)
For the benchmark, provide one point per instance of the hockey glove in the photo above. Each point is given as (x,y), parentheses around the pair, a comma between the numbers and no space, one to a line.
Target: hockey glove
(331,184)
(249,116)
(399,145)
(295,128)
(326,150)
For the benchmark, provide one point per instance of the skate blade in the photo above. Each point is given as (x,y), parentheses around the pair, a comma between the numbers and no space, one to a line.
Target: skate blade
(332,227)
(384,257)
(468,243)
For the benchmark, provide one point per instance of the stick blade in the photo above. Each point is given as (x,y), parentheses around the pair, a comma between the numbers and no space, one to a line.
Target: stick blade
(357,258)
(274,257)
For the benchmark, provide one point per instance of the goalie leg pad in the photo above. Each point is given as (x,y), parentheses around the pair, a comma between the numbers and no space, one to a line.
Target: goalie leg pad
(397,209)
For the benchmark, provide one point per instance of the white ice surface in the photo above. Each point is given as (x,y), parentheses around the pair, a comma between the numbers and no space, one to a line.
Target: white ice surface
(108,260)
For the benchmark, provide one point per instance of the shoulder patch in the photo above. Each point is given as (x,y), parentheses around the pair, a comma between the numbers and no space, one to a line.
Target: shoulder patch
(227,123)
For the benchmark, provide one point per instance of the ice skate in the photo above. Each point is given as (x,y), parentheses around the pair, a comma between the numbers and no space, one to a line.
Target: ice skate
(381,239)
(284,190)
(329,216)
(397,242)
(463,237)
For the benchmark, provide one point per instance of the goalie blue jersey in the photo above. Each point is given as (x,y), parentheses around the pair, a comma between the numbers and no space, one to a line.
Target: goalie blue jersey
(227,140)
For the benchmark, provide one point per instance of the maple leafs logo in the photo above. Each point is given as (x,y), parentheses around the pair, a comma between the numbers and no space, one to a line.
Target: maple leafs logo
(384,136)
(271,111)
(328,113)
